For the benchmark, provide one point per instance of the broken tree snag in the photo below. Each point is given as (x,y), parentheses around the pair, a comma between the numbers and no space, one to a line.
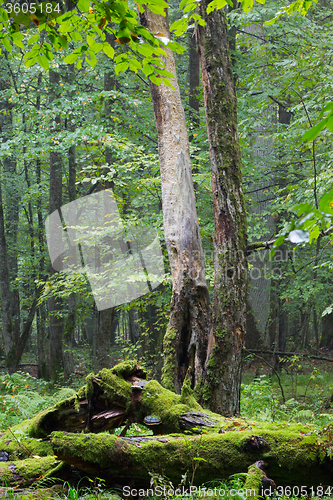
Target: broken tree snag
(120,396)
(291,457)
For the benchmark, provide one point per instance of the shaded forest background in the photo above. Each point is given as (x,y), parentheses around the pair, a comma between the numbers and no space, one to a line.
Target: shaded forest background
(69,132)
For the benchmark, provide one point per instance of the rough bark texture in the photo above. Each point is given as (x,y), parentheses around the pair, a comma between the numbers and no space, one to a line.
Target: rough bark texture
(221,390)
(186,337)
(291,452)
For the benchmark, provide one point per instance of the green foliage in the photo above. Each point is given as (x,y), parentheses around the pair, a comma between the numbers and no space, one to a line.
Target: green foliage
(261,398)
(23,396)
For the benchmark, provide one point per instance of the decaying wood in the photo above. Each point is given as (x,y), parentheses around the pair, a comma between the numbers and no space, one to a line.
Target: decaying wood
(185,341)
(290,457)
(77,432)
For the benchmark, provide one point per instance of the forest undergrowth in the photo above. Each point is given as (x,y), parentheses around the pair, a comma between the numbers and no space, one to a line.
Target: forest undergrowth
(300,392)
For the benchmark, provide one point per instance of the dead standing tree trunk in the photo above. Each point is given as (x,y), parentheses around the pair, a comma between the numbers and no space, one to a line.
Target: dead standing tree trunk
(223,369)
(186,337)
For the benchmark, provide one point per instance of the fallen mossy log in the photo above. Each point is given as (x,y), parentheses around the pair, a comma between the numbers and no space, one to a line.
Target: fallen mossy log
(290,457)
(77,432)
(122,395)
(25,472)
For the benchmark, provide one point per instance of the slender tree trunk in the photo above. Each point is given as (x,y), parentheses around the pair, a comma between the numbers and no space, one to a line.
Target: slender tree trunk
(4,285)
(106,316)
(223,368)
(11,227)
(14,339)
(55,200)
(70,323)
(185,341)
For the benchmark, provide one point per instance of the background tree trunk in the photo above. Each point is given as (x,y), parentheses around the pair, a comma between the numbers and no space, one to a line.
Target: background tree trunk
(55,200)
(223,369)
(185,341)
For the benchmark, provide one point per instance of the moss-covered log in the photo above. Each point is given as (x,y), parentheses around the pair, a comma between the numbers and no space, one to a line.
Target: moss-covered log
(25,472)
(77,432)
(122,395)
(290,455)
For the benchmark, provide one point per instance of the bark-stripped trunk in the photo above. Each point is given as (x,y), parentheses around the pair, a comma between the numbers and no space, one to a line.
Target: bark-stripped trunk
(55,306)
(223,368)
(186,337)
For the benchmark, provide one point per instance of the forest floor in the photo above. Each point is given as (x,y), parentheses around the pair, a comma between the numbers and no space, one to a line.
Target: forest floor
(301,391)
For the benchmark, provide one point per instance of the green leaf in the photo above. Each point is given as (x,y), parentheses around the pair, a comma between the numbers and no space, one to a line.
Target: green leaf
(314,233)
(302,208)
(33,39)
(63,42)
(90,40)
(157,6)
(17,39)
(328,107)
(189,7)
(43,61)
(216,5)
(326,203)
(83,5)
(108,50)
(97,47)
(329,123)
(71,58)
(311,134)
(91,60)
(7,44)
(179,27)
(121,67)
(156,80)
(76,36)
(147,69)
(29,62)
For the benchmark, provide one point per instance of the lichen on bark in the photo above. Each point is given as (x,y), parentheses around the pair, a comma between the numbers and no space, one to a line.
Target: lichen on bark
(221,388)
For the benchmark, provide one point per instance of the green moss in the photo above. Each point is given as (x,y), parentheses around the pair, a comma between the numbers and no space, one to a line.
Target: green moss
(40,425)
(95,448)
(253,482)
(170,359)
(187,395)
(114,386)
(28,470)
(23,446)
(89,387)
(168,406)
(126,368)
